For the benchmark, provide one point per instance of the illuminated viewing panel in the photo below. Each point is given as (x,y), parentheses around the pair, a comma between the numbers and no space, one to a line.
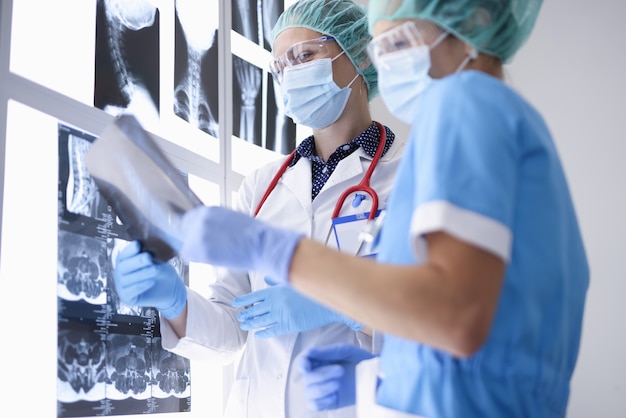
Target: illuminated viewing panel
(109,360)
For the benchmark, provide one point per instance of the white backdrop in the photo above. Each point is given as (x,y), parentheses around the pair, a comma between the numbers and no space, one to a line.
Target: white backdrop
(573,69)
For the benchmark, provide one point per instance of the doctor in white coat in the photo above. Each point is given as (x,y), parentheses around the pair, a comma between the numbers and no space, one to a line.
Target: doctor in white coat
(326,81)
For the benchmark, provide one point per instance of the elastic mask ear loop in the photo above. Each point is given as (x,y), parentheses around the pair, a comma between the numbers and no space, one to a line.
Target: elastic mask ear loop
(350,83)
(338,55)
(472,55)
(439,39)
(357,74)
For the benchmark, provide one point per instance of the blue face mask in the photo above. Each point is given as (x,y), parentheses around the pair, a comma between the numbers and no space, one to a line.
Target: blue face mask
(310,95)
(403,77)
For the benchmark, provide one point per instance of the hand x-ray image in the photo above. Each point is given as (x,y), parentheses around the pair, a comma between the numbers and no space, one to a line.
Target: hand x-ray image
(258,114)
(258,117)
(127,58)
(196,64)
(255,19)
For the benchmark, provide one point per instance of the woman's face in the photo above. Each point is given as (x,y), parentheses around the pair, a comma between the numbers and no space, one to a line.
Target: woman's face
(445,57)
(343,69)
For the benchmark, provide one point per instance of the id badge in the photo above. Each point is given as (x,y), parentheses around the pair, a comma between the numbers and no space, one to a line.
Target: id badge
(347,231)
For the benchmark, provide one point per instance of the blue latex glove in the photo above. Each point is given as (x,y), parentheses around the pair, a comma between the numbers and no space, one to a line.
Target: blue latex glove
(223,237)
(282,310)
(140,281)
(329,375)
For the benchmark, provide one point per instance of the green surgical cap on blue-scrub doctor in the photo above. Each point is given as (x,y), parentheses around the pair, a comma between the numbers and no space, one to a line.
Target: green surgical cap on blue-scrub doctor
(495,27)
(345,21)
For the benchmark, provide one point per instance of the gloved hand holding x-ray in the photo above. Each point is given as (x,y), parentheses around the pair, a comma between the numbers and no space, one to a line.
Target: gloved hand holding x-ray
(165,217)
(142,281)
(160,211)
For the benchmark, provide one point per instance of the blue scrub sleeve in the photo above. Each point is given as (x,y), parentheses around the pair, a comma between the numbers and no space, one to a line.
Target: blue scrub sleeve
(467,156)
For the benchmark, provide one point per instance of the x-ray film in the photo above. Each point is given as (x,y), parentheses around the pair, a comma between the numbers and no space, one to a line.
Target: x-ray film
(148,194)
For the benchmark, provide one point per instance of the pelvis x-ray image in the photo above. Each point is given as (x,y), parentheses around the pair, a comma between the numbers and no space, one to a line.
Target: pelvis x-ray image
(171,373)
(127,59)
(196,64)
(81,268)
(128,365)
(139,368)
(258,114)
(81,365)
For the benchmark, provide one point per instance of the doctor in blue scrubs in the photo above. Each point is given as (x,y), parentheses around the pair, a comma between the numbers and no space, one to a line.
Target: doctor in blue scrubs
(479,285)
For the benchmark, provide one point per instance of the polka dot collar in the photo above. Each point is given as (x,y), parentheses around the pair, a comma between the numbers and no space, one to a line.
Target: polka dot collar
(321,171)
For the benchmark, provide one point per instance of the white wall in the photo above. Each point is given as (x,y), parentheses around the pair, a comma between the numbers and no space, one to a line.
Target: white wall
(573,69)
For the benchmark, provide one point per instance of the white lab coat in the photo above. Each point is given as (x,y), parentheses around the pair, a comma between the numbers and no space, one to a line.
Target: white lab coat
(265,384)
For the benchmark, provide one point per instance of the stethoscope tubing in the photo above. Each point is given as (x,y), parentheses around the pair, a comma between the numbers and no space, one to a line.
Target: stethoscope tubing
(362,186)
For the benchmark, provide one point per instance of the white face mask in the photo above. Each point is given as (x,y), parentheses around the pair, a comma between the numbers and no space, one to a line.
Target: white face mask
(310,95)
(403,77)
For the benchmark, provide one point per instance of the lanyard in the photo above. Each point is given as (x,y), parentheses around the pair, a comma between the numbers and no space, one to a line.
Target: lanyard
(363,186)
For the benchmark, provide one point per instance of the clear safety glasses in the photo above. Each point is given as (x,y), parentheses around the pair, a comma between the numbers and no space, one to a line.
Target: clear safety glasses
(300,53)
(406,35)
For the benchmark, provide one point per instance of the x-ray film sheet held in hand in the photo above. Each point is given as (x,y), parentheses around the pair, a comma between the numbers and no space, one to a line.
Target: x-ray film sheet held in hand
(147,192)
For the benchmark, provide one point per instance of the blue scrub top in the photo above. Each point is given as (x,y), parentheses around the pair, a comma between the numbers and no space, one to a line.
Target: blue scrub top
(481,165)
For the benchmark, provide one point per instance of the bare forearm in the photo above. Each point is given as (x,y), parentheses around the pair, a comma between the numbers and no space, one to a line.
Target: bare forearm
(424,302)
(361,289)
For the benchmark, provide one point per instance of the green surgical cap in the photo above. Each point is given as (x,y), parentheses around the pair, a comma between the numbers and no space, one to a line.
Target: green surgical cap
(496,27)
(344,20)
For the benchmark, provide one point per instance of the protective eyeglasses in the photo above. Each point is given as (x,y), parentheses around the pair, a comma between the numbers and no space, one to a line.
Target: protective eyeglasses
(404,36)
(300,53)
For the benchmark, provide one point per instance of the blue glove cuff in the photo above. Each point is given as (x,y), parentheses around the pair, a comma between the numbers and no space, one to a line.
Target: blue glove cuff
(277,247)
(180,300)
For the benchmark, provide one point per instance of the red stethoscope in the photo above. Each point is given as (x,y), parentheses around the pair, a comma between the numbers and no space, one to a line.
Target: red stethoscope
(363,186)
